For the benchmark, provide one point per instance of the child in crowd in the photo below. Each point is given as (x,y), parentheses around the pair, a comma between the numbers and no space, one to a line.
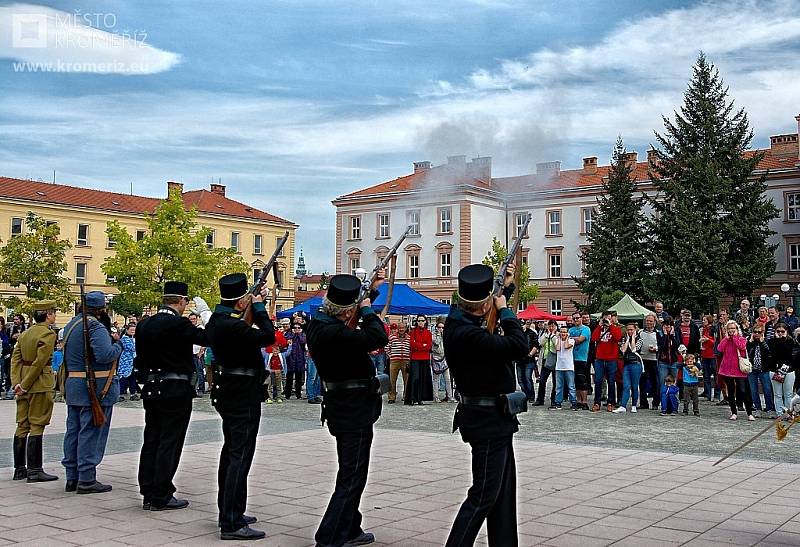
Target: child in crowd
(691,380)
(669,396)
(275,363)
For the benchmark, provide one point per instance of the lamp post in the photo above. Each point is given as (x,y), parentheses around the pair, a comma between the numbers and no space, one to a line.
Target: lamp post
(769,301)
(795,293)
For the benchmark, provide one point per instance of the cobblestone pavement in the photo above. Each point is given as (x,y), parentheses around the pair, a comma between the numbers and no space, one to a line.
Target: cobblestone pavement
(657,486)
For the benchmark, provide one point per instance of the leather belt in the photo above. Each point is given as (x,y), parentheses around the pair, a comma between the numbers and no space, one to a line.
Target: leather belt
(478,401)
(97,374)
(348,384)
(167,376)
(238,371)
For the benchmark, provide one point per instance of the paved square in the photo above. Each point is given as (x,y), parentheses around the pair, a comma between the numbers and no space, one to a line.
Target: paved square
(567,494)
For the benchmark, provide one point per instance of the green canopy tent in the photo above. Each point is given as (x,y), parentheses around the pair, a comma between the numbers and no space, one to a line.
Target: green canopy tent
(628,310)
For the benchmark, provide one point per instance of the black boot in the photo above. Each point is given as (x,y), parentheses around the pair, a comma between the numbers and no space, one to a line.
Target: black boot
(92,487)
(20,471)
(35,471)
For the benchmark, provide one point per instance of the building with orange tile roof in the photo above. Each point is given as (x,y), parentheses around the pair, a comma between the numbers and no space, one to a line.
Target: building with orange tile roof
(458,207)
(82,215)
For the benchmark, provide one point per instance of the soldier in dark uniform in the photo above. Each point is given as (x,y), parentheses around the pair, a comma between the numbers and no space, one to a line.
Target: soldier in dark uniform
(165,364)
(481,364)
(352,402)
(237,395)
(33,382)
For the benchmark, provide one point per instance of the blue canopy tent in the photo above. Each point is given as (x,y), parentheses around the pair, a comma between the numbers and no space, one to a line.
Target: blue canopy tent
(405,301)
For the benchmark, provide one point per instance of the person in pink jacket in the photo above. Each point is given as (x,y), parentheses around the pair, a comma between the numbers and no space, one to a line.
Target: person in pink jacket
(732,346)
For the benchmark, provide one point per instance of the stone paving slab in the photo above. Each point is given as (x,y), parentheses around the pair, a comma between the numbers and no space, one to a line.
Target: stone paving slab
(568,495)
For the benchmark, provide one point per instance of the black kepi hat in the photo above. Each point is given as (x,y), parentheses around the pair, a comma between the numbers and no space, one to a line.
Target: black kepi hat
(343,290)
(176,288)
(233,286)
(475,283)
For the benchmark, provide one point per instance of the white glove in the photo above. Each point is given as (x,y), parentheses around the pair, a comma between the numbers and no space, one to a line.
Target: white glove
(795,404)
(682,349)
(202,309)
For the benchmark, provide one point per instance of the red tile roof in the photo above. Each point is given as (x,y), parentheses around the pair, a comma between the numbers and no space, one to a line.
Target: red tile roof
(525,183)
(204,200)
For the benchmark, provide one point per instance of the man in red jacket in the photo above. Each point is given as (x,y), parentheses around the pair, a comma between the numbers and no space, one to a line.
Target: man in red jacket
(607,337)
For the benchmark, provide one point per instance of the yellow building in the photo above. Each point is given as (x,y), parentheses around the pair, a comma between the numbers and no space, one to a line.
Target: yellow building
(82,215)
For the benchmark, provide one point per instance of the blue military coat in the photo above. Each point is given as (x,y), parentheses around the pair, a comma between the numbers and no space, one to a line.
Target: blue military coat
(105,352)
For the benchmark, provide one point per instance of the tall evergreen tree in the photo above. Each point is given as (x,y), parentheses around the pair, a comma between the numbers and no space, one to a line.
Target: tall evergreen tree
(615,261)
(711,215)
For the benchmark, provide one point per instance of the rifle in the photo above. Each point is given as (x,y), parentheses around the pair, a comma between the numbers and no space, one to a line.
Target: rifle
(368,285)
(270,267)
(499,279)
(98,416)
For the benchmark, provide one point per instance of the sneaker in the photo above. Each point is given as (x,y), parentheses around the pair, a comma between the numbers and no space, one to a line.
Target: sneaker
(269,401)
(732,417)
(620,410)
(633,410)
(121,399)
(135,397)
(751,418)
(279,401)
(723,402)
(554,407)
(761,413)
(663,413)
(576,406)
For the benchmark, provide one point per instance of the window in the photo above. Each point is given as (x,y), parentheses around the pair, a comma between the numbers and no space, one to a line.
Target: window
(521,306)
(110,280)
(445,301)
(554,222)
(793,206)
(16,227)
(280,277)
(80,273)
(413,266)
(554,263)
(413,221)
(555,306)
(445,220)
(140,234)
(278,242)
(258,244)
(256,274)
(83,235)
(235,241)
(519,223)
(51,223)
(587,216)
(110,243)
(355,227)
(445,264)
(794,257)
(210,239)
(383,225)
(355,263)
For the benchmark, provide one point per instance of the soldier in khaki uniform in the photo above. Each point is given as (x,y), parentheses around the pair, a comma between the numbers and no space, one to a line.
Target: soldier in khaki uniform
(33,381)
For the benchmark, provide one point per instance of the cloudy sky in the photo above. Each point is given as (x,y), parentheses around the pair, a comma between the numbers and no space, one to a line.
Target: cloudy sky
(294,102)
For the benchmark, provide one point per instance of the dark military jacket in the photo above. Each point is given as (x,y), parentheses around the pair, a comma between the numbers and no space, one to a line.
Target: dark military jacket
(341,354)
(482,366)
(237,345)
(164,345)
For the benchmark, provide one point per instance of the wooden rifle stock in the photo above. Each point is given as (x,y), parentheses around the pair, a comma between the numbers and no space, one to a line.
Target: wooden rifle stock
(499,280)
(270,267)
(367,286)
(98,416)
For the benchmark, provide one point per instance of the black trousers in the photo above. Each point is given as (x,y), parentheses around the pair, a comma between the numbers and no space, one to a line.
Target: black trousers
(546,373)
(165,424)
(648,385)
(492,496)
(342,519)
(738,392)
(239,430)
(296,377)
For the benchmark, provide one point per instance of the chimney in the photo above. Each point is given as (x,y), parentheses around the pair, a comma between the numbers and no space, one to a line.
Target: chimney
(784,145)
(173,186)
(548,168)
(481,168)
(652,156)
(458,163)
(590,165)
(421,166)
(218,189)
(630,159)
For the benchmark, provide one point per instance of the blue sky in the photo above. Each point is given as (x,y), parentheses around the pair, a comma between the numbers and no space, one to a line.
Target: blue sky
(294,102)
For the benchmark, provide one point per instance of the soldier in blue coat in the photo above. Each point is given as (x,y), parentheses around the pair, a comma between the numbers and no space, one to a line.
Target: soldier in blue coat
(85,444)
